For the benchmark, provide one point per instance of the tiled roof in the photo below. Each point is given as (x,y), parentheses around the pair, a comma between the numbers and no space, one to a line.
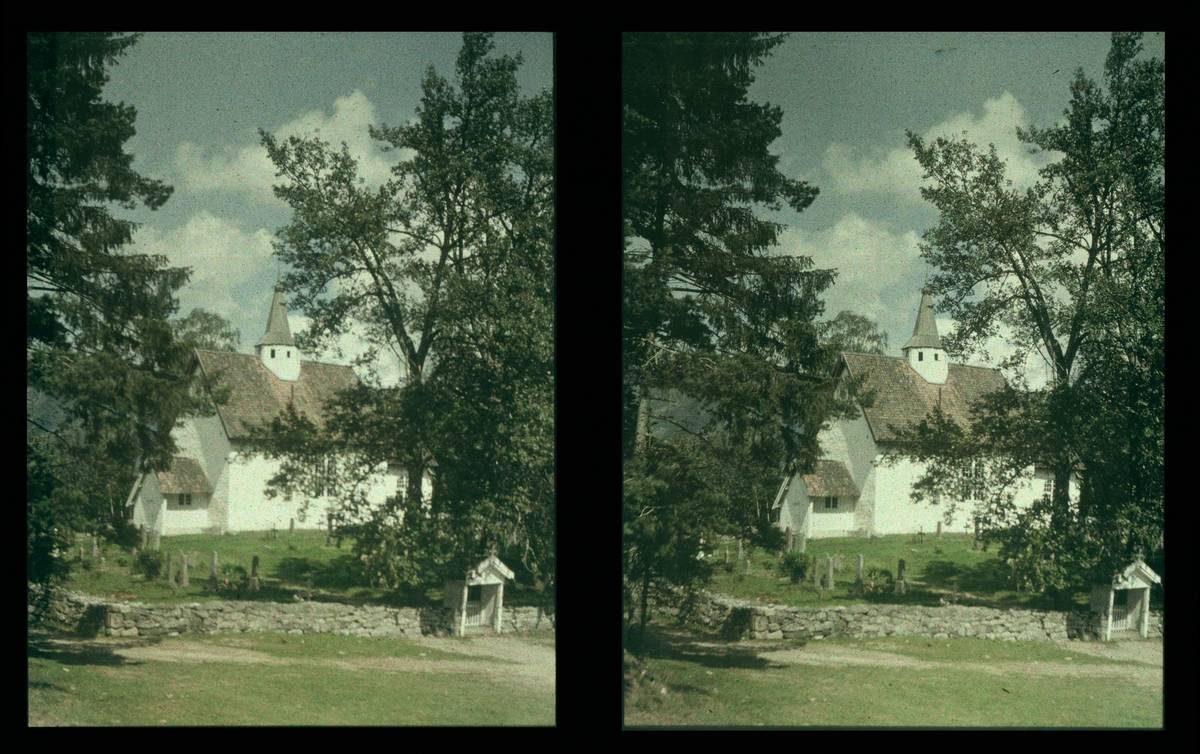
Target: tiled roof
(903,397)
(185,475)
(830,478)
(257,396)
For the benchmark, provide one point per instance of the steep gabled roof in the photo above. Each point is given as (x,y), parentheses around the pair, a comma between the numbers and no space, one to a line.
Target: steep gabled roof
(830,478)
(904,398)
(185,475)
(257,396)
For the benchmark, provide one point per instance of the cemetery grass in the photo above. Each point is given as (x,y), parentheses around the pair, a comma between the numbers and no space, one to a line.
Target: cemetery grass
(933,569)
(894,681)
(316,680)
(287,564)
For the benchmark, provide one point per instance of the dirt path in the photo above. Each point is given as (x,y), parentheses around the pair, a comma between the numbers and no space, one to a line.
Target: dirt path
(503,658)
(762,655)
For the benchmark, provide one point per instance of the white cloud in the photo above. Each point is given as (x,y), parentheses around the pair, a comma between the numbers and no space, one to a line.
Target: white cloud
(859,249)
(896,171)
(248,171)
(221,255)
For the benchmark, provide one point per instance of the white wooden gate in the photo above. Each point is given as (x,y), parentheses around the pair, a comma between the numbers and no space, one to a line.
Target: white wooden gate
(474,614)
(1120,618)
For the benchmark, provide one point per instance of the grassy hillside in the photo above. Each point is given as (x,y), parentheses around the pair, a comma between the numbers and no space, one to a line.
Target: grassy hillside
(934,567)
(288,564)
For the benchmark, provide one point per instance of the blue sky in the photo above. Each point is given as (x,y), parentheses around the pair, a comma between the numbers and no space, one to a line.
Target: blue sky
(847,101)
(201,99)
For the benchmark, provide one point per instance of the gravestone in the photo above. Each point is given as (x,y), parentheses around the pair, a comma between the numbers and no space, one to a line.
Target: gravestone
(157,539)
(726,554)
(212,572)
(183,569)
(975,544)
(95,552)
(829,571)
(858,577)
(292,527)
(254,574)
(191,560)
(741,552)
(170,569)
(746,565)
(791,541)
(900,589)
(939,531)
(837,563)
(803,542)
(81,553)
(812,574)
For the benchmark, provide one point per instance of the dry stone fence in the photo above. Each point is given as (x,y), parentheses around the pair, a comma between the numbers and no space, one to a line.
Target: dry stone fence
(738,619)
(98,615)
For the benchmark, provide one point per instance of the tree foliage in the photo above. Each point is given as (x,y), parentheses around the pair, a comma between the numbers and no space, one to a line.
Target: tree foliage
(449,265)
(105,375)
(853,333)
(1074,268)
(711,318)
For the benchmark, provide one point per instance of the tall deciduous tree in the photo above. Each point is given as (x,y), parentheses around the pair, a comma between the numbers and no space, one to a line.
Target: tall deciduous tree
(105,376)
(711,317)
(1074,268)
(450,266)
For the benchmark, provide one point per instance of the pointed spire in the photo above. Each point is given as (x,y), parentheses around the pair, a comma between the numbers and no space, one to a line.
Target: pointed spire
(278,333)
(925,334)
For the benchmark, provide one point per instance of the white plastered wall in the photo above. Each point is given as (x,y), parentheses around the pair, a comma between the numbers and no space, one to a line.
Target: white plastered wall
(896,513)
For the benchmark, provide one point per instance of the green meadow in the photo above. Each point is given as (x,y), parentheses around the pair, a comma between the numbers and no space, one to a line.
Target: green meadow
(314,680)
(906,682)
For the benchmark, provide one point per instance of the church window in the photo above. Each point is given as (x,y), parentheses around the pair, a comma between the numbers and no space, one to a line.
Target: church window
(289,354)
(830,502)
(920,355)
(185,499)
(935,356)
(1048,489)
(272,353)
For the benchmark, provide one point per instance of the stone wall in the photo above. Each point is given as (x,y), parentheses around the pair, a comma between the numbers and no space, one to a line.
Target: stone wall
(737,619)
(92,615)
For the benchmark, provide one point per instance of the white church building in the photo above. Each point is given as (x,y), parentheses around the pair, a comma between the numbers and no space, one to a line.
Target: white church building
(860,486)
(216,483)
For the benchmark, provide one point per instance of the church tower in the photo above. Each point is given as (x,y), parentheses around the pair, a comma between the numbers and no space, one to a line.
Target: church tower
(924,349)
(276,348)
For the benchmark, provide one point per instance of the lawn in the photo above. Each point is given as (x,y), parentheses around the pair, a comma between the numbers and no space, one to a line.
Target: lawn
(934,567)
(914,683)
(323,680)
(287,564)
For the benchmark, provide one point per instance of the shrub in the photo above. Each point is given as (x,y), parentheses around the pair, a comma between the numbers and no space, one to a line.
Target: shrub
(122,561)
(235,580)
(150,563)
(795,565)
(878,580)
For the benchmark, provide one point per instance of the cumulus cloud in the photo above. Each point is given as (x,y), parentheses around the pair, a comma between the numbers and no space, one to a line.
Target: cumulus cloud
(222,257)
(248,171)
(896,172)
(859,248)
